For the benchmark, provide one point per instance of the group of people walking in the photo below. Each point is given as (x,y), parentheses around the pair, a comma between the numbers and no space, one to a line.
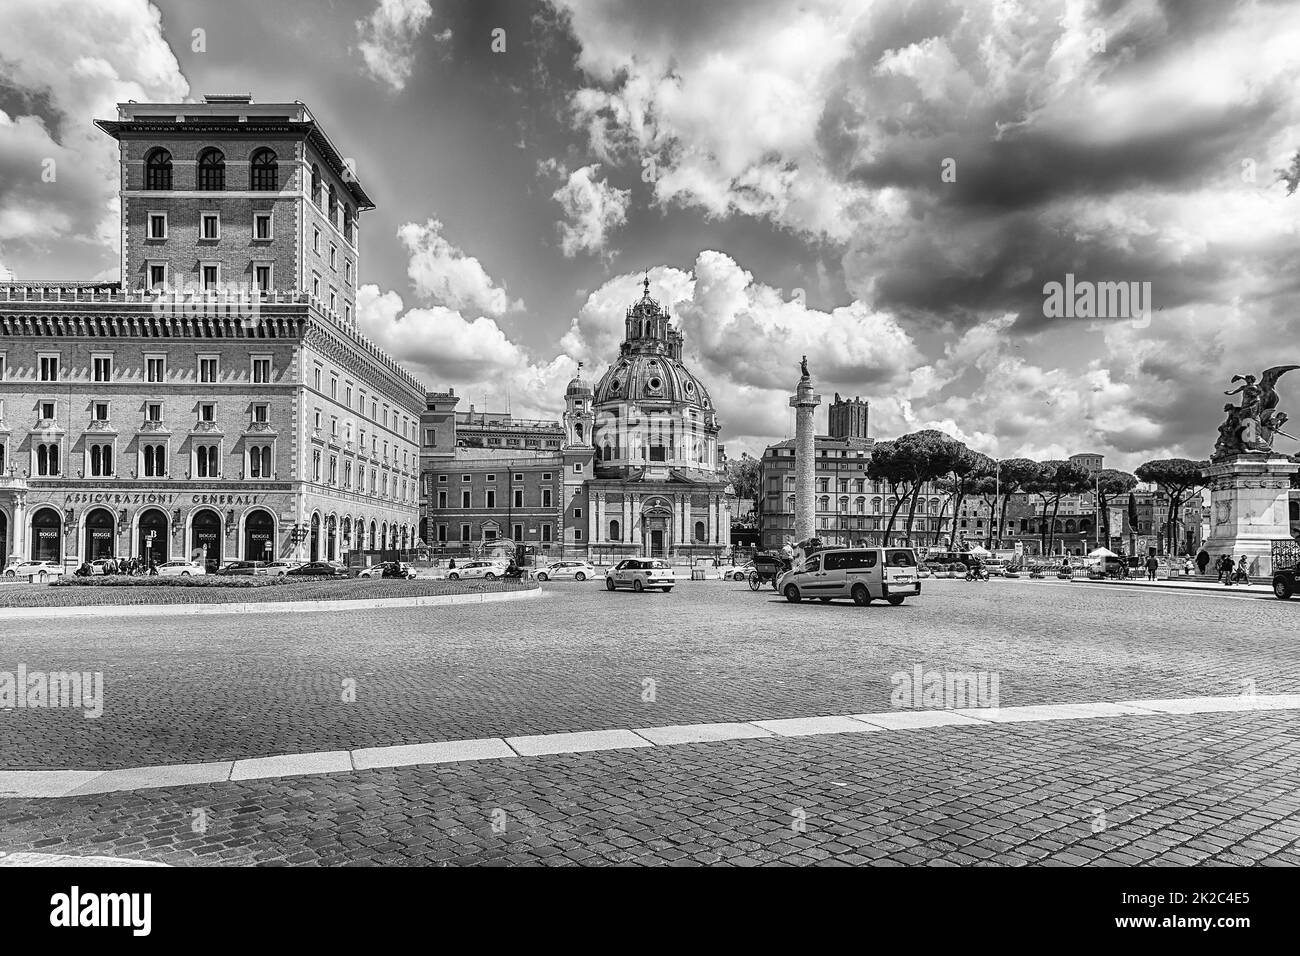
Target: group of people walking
(1225,569)
(136,567)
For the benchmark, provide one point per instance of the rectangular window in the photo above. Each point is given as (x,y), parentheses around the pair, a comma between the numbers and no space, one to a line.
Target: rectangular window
(261,369)
(207,369)
(211,273)
(315,286)
(262,229)
(315,241)
(263,276)
(315,378)
(102,368)
(209,226)
(99,411)
(519,497)
(491,500)
(464,499)
(577,512)
(334,388)
(577,467)
(546,497)
(157,276)
(464,532)
(334,256)
(261,413)
(208,412)
(347,271)
(153,412)
(577,534)
(157,225)
(49,368)
(155,368)
(47,411)
(442,499)
(546,533)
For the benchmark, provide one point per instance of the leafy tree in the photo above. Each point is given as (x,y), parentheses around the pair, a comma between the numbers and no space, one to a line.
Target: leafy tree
(962,481)
(1013,475)
(744,474)
(923,457)
(1180,479)
(1111,484)
(889,466)
(1056,479)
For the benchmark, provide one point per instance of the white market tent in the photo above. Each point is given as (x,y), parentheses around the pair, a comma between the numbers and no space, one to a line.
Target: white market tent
(982,552)
(1102,553)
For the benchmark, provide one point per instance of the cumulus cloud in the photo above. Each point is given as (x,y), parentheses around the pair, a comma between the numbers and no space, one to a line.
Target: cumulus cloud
(442,273)
(386,39)
(1116,142)
(71,63)
(592,208)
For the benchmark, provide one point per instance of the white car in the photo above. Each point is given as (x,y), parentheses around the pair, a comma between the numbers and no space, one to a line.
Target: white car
(180,569)
(487,570)
(42,569)
(565,571)
(640,574)
(281,568)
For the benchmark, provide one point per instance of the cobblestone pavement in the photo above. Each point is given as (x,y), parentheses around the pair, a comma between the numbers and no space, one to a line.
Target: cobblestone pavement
(1219,788)
(577,659)
(1210,789)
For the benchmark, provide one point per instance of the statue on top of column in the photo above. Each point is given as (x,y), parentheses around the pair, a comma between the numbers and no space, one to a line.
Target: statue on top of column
(803,367)
(1252,425)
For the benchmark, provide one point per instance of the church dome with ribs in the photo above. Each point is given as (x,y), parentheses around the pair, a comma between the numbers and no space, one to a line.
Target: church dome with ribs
(651,410)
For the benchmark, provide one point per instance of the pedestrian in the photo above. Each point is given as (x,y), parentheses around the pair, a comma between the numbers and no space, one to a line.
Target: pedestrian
(1224,569)
(1242,573)
(1203,560)
(451,565)
(1152,565)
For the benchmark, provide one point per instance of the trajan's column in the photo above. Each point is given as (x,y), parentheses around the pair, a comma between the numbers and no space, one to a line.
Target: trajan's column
(805,402)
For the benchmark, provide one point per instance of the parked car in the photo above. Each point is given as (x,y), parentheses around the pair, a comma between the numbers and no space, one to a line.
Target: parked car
(487,570)
(639,574)
(1286,582)
(318,569)
(387,569)
(862,574)
(565,570)
(244,567)
(101,565)
(741,573)
(281,568)
(181,569)
(42,569)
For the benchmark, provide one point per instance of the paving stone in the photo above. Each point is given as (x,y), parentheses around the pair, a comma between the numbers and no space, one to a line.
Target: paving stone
(698,733)
(446,752)
(572,743)
(812,726)
(292,765)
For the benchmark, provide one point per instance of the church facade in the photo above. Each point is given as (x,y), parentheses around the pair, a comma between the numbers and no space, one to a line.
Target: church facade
(638,472)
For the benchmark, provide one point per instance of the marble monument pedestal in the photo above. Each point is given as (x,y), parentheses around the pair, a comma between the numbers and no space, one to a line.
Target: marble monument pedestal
(1249,508)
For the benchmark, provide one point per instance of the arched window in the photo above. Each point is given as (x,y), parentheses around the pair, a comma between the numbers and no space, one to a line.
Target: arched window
(212,169)
(317,194)
(263,170)
(333,205)
(860,505)
(614,531)
(1085,525)
(699,531)
(1069,526)
(158,169)
(875,506)
(349,223)
(844,503)
(1056,527)
(824,504)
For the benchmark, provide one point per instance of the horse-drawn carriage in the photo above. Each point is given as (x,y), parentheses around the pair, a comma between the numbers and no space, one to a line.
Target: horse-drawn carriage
(768,566)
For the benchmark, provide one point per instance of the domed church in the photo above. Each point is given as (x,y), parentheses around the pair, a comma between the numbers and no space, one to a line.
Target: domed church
(641,448)
(633,469)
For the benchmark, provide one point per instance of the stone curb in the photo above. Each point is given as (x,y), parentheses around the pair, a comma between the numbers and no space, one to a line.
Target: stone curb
(266,607)
(1179,586)
(20,784)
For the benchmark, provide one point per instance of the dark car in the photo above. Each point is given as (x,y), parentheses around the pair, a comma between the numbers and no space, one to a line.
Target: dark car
(1286,582)
(318,569)
(244,567)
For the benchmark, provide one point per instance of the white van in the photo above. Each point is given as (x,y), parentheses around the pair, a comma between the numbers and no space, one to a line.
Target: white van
(862,574)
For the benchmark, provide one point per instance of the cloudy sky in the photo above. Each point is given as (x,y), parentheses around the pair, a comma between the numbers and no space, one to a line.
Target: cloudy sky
(885,186)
